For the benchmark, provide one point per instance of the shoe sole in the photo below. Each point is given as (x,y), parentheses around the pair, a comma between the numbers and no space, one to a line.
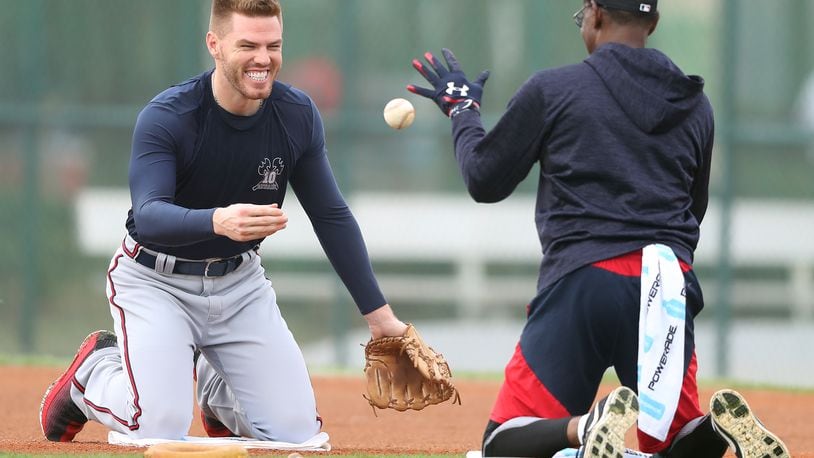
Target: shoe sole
(607,438)
(82,353)
(733,418)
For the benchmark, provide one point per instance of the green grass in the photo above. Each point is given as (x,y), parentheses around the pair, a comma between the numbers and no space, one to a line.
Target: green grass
(33,360)
(739,385)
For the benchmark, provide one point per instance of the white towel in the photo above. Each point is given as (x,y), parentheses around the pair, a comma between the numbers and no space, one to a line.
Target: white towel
(661,339)
(318,443)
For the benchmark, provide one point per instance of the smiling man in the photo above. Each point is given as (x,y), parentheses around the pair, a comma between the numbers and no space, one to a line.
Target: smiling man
(211,161)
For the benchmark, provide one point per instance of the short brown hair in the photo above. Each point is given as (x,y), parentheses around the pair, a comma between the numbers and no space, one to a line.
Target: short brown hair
(223,9)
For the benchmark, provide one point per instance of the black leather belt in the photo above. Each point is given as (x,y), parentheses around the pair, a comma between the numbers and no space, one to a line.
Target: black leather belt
(215,268)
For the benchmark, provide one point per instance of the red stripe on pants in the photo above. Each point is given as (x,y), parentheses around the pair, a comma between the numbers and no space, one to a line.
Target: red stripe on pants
(523,395)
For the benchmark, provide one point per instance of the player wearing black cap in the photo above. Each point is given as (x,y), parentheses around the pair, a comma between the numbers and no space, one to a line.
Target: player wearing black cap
(624,143)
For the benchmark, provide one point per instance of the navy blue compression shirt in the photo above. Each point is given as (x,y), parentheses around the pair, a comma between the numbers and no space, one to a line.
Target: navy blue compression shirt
(624,142)
(190,156)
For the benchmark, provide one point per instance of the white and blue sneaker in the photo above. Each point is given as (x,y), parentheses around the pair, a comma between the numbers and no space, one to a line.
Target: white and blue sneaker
(602,431)
(573,453)
(740,428)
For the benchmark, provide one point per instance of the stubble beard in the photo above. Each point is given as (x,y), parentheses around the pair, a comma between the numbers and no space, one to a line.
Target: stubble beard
(235,74)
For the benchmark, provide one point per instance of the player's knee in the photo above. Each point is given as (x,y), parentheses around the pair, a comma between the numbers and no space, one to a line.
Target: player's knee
(295,428)
(164,424)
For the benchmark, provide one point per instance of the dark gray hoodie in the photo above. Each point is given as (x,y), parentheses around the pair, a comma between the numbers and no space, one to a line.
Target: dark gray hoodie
(624,142)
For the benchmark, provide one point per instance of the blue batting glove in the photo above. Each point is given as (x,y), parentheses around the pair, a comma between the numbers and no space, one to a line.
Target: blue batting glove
(451,91)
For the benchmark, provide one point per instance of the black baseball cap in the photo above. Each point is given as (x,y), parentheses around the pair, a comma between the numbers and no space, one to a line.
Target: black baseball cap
(634,6)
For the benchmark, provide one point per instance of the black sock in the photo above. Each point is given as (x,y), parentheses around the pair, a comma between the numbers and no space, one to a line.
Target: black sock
(526,437)
(701,442)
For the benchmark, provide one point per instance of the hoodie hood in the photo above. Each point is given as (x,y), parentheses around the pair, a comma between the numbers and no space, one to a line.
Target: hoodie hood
(652,91)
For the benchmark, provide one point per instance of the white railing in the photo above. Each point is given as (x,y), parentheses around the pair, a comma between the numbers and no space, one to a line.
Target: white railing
(451,229)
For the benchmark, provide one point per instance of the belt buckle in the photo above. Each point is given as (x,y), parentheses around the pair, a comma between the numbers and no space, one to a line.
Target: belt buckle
(209,264)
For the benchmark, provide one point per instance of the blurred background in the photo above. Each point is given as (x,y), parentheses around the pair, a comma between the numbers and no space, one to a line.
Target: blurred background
(78,72)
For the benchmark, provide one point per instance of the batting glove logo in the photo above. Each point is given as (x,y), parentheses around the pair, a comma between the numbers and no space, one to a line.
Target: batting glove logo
(450,87)
(463,91)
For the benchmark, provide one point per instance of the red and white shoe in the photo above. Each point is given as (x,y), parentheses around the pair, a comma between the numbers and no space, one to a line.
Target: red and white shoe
(60,418)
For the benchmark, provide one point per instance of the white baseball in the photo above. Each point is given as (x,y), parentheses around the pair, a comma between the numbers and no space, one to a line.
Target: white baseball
(399,113)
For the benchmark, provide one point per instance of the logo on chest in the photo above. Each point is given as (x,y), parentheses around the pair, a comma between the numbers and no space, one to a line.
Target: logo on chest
(269,170)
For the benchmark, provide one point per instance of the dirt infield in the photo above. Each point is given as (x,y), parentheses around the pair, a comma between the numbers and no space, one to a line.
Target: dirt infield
(446,429)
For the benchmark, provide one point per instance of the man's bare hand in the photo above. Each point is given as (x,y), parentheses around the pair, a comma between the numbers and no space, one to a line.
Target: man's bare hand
(245,222)
(382,322)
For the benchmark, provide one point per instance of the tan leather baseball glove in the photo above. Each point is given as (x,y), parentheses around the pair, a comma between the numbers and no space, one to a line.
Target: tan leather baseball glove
(405,373)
